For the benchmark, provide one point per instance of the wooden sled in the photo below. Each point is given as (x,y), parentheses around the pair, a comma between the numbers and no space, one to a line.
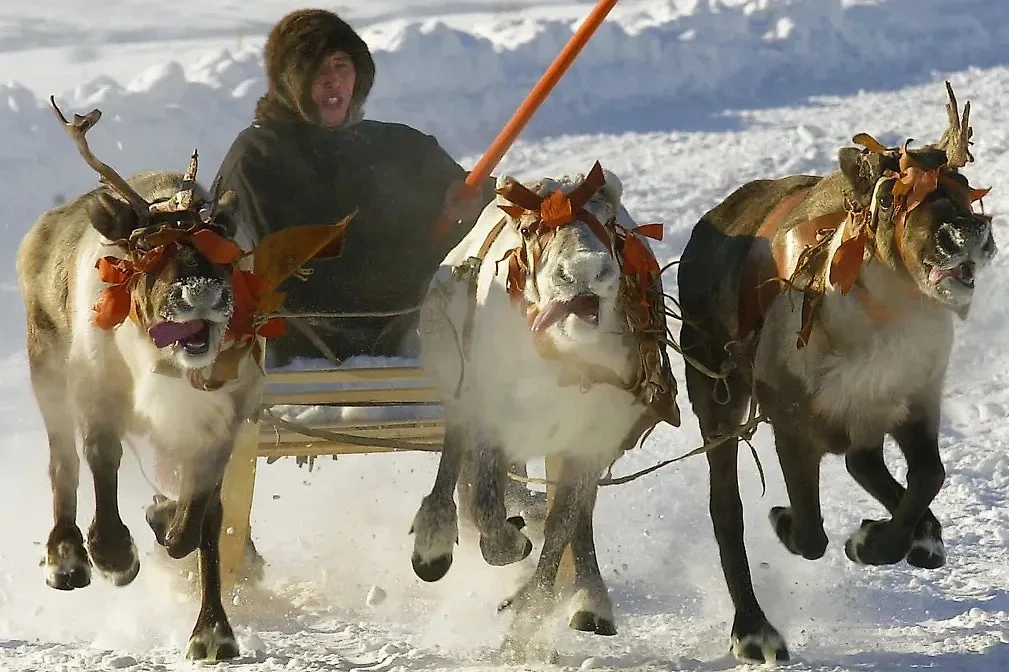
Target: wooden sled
(402,387)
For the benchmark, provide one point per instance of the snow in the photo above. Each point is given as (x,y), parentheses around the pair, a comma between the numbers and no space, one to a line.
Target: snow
(684,99)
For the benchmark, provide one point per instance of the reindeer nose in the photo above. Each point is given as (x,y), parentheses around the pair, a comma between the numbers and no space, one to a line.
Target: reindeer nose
(199,294)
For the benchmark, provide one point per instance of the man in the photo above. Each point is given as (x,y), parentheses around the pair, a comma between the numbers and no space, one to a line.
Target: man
(309,157)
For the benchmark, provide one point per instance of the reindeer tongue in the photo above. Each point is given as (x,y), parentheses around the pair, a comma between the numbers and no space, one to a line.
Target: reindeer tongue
(165,333)
(585,306)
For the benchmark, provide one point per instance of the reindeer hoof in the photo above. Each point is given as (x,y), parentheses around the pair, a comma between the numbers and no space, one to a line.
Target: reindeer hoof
(763,645)
(66,564)
(811,545)
(69,569)
(212,643)
(507,544)
(431,570)
(159,516)
(178,543)
(436,531)
(586,621)
(927,549)
(875,543)
(114,555)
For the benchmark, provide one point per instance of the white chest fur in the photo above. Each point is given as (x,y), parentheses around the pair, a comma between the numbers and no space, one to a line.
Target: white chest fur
(525,411)
(177,416)
(860,372)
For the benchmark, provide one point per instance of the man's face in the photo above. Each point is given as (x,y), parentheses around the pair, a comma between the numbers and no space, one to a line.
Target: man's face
(333,87)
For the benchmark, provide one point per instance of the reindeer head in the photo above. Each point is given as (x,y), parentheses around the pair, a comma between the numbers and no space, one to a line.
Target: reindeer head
(918,210)
(175,275)
(565,268)
(590,286)
(185,299)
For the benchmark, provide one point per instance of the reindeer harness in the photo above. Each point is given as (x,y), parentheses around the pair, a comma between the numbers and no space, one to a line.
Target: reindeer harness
(539,218)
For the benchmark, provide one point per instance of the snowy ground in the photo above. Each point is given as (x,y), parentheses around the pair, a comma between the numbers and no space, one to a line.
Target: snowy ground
(331,535)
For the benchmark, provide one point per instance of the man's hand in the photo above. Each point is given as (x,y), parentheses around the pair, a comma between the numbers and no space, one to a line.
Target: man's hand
(462,204)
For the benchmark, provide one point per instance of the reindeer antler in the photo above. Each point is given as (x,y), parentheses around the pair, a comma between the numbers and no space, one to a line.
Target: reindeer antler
(194,163)
(186,196)
(957,138)
(77,130)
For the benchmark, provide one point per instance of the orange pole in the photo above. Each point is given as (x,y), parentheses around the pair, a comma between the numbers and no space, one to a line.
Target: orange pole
(497,149)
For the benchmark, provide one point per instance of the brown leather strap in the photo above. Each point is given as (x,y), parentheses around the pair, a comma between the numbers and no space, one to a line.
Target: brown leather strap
(477,262)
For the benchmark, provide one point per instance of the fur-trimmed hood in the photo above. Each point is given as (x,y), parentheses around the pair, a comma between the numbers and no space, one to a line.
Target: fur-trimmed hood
(294,50)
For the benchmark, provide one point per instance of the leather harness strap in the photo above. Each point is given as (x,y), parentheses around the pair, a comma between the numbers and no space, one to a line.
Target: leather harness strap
(798,258)
(472,265)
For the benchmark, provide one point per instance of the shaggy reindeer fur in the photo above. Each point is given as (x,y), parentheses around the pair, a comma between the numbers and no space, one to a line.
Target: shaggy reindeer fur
(503,402)
(103,384)
(873,365)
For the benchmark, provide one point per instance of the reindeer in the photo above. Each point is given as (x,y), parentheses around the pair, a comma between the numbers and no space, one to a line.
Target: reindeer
(829,301)
(558,349)
(163,341)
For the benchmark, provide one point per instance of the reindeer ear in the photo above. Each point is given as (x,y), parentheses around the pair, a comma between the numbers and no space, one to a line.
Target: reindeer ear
(114,218)
(613,189)
(862,170)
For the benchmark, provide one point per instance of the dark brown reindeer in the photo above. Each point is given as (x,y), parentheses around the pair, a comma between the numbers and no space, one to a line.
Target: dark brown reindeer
(832,298)
(145,317)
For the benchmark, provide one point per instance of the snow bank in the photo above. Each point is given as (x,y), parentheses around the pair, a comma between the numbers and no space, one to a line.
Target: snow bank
(654,68)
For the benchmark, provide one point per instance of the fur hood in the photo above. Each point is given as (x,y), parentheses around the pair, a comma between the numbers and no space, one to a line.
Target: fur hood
(295,48)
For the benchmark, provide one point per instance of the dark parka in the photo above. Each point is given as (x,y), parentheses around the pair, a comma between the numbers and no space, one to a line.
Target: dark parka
(287,170)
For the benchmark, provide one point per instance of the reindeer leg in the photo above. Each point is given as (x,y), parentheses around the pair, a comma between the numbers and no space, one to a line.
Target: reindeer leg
(535,599)
(66,564)
(112,548)
(435,526)
(889,542)
(212,638)
(753,638)
(178,526)
(591,608)
(501,539)
(799,526)
(869,470)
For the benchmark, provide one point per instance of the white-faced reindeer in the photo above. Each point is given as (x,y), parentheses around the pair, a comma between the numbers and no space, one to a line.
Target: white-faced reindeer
(144,318)
(544,331)
(833,299)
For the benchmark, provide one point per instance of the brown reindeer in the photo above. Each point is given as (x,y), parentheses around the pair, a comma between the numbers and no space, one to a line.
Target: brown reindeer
(831,299)
(145,317)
